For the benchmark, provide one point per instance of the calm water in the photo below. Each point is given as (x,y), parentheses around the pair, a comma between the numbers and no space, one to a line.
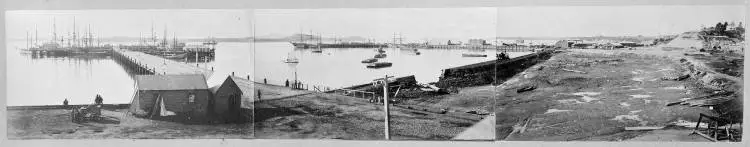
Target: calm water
(338,68)
(36,80)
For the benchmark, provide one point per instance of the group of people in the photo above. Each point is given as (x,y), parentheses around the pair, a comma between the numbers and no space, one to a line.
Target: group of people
(97,100)
(297,85)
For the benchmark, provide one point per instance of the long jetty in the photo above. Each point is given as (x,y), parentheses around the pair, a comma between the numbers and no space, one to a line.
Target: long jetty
(142,63)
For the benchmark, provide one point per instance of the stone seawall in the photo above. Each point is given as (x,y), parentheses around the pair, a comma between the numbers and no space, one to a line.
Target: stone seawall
(489,72)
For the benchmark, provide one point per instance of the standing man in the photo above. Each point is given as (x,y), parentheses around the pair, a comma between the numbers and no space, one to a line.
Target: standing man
(65,103)
(98,99)
(259,94)
(287,83)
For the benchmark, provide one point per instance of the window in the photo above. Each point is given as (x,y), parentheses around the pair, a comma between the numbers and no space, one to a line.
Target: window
(191,98)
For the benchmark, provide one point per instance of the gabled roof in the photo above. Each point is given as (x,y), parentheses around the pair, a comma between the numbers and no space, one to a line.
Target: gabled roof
(171,82)
(245,85)
(228,82)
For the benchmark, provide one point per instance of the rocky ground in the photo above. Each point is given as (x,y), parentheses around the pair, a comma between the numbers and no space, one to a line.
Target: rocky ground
(330,116)
(595,94)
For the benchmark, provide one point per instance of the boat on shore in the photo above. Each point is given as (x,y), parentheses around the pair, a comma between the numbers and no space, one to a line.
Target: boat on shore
(379,65)
(473,55)
(371,60)
(381,55)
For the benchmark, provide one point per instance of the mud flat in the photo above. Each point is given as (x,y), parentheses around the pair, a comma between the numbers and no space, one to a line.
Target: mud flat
(595,94)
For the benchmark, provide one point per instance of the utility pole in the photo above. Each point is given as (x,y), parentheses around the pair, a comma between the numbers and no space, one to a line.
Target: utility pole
(385,107)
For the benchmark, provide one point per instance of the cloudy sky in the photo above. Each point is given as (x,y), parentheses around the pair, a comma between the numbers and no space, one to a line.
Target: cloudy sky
(570,21)
(131,23)
(380,24)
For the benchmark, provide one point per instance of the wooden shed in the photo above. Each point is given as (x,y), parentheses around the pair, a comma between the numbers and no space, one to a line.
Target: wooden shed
(227,100)
(180,97)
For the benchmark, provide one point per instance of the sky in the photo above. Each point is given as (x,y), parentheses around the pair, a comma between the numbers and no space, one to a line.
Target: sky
(131,23)
(577,21)
(380,24)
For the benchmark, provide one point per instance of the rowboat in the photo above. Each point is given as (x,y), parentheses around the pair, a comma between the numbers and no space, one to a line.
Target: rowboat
(379,65)
(474,55)
(371,60)
(380,56)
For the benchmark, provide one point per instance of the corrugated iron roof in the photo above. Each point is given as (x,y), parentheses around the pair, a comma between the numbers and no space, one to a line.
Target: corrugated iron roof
(171,82)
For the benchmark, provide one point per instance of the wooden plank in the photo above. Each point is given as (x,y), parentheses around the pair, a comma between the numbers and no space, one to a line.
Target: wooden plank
(705,136)
(576,71)
(643,128)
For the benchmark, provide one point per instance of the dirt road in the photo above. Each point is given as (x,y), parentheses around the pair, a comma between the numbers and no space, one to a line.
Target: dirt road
(56,124)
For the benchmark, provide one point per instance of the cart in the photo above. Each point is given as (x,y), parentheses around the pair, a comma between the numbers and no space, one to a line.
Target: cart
(86,113)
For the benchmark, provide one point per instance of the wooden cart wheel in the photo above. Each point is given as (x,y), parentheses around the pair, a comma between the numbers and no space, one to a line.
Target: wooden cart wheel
(72,116)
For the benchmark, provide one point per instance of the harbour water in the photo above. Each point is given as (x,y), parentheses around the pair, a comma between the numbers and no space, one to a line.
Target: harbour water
(337,67)
(41,80)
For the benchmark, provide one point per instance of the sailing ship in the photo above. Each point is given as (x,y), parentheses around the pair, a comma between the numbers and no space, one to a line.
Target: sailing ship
(291,59)
(176,56)
(318,50)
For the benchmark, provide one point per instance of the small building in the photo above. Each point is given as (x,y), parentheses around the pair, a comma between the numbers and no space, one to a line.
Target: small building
(227,100)
(564,44)
(718,41)
(477,42)
(197,48)
(582,45)
(175,97)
